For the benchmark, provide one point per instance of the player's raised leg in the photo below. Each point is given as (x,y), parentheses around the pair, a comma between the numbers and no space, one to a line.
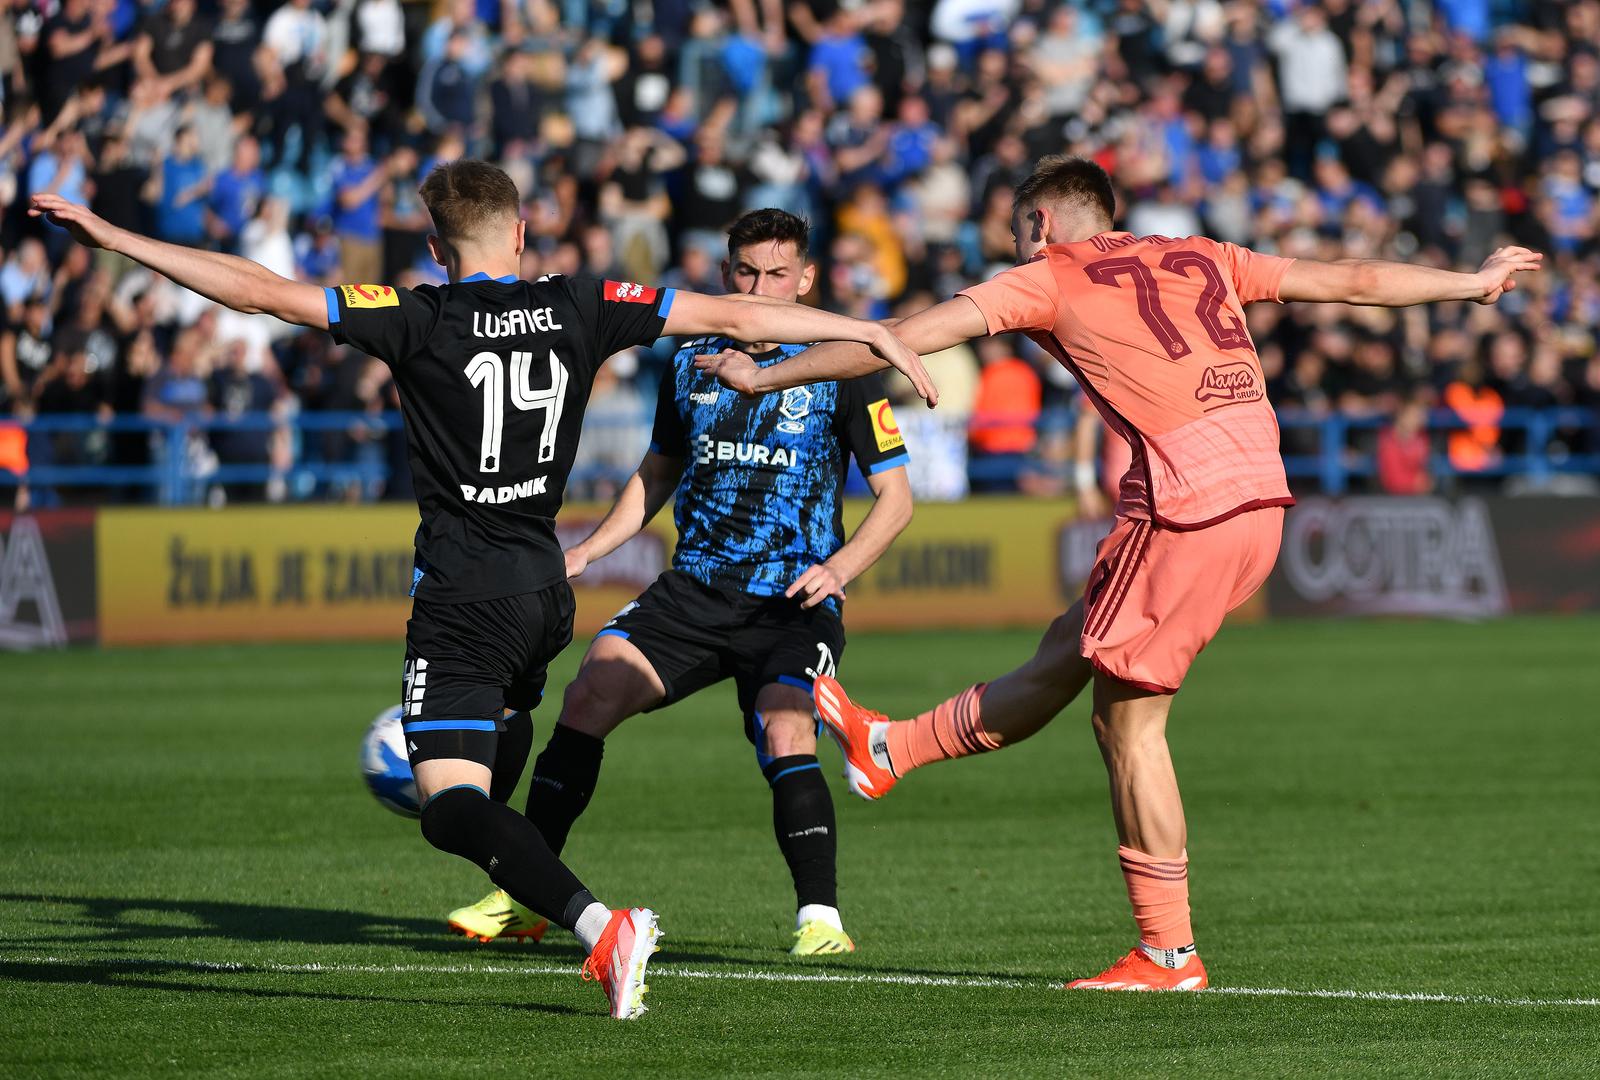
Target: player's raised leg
(802,816)
(1130,724)
(983,717)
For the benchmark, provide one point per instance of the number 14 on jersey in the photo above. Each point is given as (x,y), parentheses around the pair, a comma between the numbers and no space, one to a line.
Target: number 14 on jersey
(488,370)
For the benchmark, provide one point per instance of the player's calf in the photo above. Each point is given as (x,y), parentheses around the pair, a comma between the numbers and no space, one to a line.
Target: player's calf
(803,818)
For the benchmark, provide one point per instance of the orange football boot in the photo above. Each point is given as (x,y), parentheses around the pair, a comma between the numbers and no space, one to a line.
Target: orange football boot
(862,737)
(1136,971)
(620,957)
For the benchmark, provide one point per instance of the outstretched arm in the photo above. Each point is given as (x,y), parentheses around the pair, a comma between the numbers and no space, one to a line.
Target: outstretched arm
(940,327)
(640,499)
(227,279)
(760,318)
(1377,283)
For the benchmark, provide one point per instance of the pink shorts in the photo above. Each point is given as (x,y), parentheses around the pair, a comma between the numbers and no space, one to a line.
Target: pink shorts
(1156,596)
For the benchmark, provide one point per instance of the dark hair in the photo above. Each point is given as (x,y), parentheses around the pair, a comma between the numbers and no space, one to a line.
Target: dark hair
(770,226)
(465,196)
(1071,179)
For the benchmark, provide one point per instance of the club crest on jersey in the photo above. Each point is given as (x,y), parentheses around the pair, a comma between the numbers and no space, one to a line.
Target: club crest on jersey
(743,453)
(505,493)
(369,296)
(794,408)
(1229,382)
(884,428)
(627,292)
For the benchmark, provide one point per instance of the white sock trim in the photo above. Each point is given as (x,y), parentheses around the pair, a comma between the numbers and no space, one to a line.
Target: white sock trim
(878,746)
(1173,959)
(819,912)
(591,924)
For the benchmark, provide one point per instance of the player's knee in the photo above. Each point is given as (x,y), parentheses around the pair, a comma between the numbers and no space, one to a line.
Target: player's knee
(590,707)
(1129,732)
(789,732)
(447,817)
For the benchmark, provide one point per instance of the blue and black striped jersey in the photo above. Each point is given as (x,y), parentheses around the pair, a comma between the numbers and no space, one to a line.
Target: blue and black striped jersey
(762,494)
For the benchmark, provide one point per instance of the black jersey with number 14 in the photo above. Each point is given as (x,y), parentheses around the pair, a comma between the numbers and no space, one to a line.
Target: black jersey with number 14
(494,375)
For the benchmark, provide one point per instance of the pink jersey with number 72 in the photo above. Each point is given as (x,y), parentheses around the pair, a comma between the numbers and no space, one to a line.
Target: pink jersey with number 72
(1153,328)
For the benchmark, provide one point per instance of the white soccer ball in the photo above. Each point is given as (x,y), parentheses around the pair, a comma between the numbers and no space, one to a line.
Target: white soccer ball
(385,766)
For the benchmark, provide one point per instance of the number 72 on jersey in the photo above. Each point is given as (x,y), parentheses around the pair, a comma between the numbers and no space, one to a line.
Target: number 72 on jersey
(488,370)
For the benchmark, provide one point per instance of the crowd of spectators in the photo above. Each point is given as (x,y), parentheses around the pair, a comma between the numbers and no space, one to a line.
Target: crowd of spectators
(296,135)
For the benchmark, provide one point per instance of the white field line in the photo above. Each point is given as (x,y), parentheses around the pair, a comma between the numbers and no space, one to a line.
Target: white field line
(860,978)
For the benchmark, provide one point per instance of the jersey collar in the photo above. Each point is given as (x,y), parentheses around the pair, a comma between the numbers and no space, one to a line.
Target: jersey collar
(481,276)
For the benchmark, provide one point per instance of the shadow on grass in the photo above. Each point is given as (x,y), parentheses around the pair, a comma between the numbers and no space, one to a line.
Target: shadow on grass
(98,920)
(129,974)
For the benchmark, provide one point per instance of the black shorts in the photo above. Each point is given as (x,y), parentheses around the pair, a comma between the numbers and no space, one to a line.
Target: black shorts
(694,635)
(467,663)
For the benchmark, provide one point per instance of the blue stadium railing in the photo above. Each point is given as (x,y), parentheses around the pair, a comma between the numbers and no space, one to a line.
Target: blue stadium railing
(335,451)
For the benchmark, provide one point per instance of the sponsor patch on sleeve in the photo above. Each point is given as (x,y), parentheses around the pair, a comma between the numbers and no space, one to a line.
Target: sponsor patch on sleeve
(884,428)
(369,296)
(627,292)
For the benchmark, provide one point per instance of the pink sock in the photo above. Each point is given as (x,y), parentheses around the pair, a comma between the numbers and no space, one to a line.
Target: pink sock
(949,730)
(1159,891)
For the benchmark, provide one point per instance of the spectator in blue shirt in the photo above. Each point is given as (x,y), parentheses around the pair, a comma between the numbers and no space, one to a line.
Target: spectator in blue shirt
(236,193)
(911,142)
(839,60)
(1506,73)
(357,215)
(60,168)
(180,206)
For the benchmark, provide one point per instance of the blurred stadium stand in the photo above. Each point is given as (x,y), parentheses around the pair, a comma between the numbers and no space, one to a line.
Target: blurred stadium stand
(296,134)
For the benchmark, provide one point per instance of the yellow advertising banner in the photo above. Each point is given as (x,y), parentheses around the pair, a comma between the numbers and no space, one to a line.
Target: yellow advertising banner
(309,573)
(254,574)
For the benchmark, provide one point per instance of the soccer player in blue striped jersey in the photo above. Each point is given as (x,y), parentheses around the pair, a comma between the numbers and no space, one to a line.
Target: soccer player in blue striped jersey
(757,585)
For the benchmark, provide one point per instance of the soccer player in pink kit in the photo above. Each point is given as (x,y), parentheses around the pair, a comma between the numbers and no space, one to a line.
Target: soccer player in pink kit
(1153,329)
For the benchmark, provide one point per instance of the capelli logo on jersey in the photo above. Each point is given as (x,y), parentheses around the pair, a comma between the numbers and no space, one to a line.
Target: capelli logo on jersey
(1229,382)
(743,453)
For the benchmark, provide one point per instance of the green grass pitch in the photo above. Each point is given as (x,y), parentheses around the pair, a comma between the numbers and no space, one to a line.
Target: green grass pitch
(193,881)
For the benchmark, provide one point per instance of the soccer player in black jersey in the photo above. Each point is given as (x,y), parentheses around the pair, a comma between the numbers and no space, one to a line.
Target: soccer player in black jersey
(756,587)
(493,374)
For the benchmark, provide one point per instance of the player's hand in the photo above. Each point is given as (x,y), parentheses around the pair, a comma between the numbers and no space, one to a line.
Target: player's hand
(577,562)
(1494,276)
(86,227)
(904,359)
(732,369)
(816,585)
